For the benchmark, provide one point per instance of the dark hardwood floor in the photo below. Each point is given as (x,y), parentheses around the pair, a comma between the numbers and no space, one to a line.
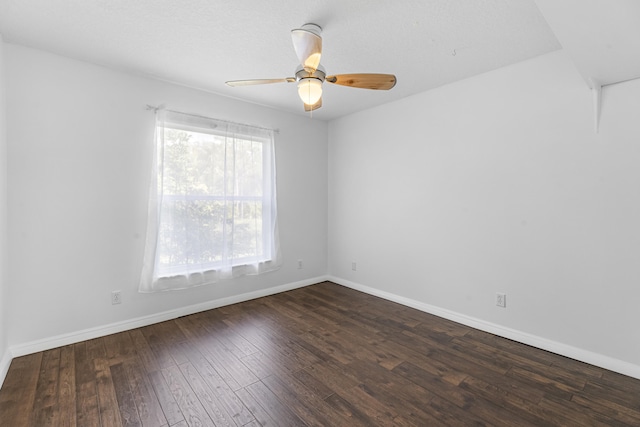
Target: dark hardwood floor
(323,355)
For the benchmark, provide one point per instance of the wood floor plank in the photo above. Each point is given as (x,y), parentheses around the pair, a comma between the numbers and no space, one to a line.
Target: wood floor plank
(172,336)
(107,400)
(455,368)
(498,360)
(47,389)
(301,401)
(322,355)
(306,319)
(622,392)
(317,387)
(334,376)
(528,352)
(332,348)
(413,346)
(193,411)
(216,354)
(576,367)
(549,385)
(261,415)
(261,365)
(575,412)
(171,332)
(234,343)
(272,319)
(153,336)
(608,408)
(126,403)
(558,375)
(290,352)
(231,369)
(67,388)
(18,391)
(96,350)
(352,413)
(476,405)
(144,351)
(146,401)
(220,368)
(87,411)
(440,363)
(119,347)
(374,406)
(522,408)
(206,396)
(270,404)
(396,391)
(168,403)
(223,393)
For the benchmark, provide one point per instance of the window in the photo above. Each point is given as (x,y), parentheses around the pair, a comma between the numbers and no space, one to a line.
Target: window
(212,209)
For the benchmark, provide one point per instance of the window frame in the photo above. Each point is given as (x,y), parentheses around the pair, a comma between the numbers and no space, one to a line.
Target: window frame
(265,200)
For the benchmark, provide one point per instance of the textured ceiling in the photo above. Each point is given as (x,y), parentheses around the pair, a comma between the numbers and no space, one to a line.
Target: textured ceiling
(203,43)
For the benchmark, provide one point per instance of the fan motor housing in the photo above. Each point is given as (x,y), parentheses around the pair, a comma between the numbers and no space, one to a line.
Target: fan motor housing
(319,74)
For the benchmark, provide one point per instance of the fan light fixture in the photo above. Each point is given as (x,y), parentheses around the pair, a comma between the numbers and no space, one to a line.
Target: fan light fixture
(310,75)
(310,90)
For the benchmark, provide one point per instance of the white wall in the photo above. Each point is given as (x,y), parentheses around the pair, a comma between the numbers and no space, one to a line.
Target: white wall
(493,184)
(79,142)
(4,346)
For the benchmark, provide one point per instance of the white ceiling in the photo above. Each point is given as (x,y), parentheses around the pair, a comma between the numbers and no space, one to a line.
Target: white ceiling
(203,43)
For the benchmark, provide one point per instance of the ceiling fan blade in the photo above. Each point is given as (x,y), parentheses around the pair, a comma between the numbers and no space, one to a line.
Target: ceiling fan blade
(308,46)
(315,106)
(235,83)
(364,81)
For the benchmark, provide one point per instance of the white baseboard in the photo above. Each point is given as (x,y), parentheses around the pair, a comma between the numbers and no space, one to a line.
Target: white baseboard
(582,355)
(5,362)
(100,331)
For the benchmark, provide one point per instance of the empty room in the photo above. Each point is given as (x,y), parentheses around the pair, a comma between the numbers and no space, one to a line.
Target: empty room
(327,213)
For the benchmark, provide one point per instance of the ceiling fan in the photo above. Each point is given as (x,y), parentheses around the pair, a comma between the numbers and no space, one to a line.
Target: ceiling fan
(310,74)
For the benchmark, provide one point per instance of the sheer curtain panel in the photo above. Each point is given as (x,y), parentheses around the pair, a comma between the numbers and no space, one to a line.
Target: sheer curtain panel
(212,203)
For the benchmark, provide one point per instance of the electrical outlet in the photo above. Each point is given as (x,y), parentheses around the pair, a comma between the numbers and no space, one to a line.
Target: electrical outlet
(354,266)
(116,297)
(501,300)
(299,264)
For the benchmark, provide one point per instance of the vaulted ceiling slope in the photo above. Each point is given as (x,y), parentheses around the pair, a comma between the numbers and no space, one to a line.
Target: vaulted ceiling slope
(203,43)
(601,36)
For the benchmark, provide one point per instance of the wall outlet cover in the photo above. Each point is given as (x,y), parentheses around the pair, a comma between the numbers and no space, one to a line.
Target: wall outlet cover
(116,297)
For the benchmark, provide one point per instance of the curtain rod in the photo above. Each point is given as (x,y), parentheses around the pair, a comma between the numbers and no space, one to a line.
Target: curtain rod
(151,107)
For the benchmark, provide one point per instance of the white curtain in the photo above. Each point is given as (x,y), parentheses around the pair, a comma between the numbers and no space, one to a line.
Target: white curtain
(212,203)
